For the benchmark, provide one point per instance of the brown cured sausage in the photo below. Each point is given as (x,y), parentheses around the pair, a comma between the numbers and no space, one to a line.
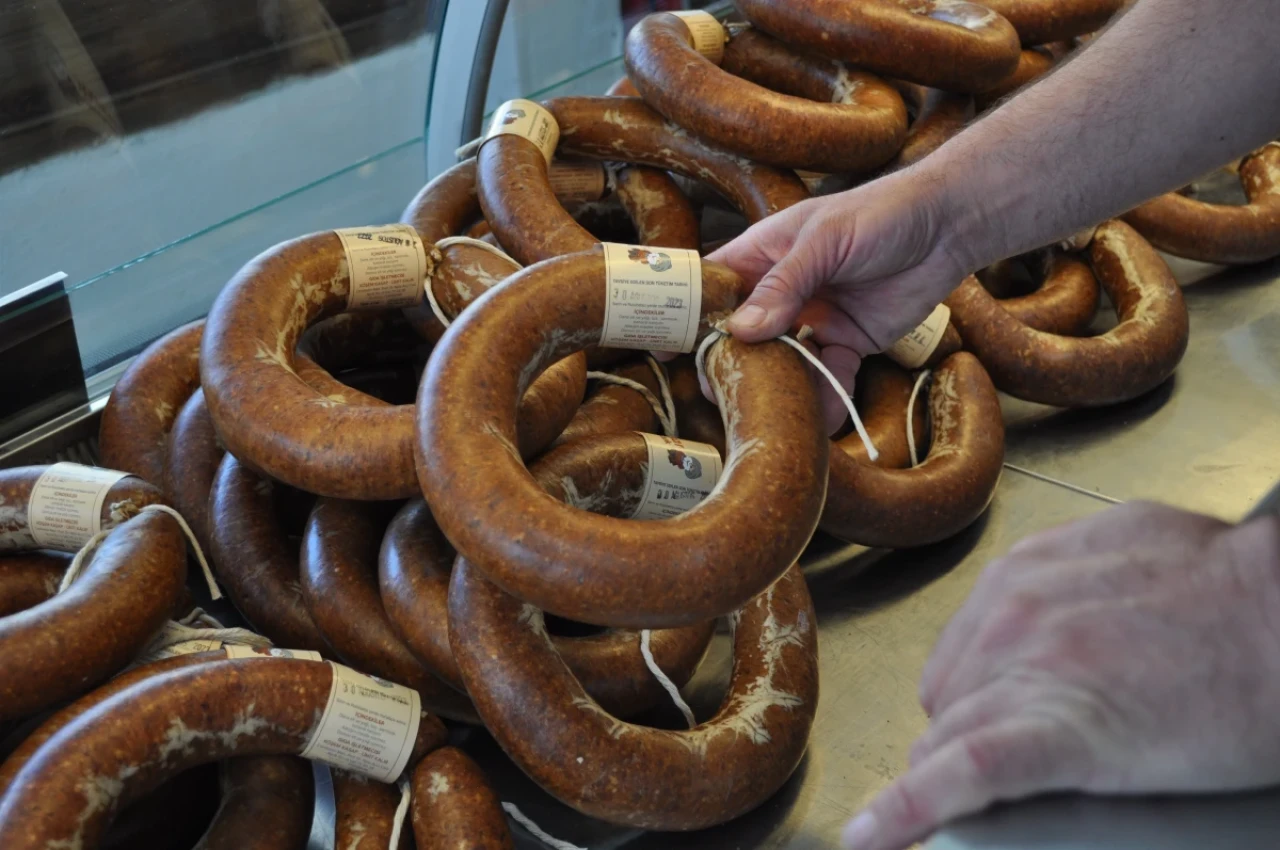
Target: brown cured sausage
(946,44)
(339,568)
(133,434)
(617,128)
(254,560)
(519,204)
(365,813)
(124,500)
(662,214)
(1135,356)
(1065,303)
(596,569)
(29,579)
(940,115)
(697,418)
(137,739)
(899,508)
(623,88)
(1217,233)
(193,458)
(1032,64)
(414,568)
(454,807)
(1043,21)
(614,408)
(62,647)
(884,392)
(266,805)
(627,774)
(766,101)
(51,726)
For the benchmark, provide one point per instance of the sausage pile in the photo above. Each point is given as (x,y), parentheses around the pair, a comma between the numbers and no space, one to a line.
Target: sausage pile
(436,452)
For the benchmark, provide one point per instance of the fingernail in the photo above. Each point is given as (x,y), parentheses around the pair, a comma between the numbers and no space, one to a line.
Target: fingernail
(859,831)
(748,317)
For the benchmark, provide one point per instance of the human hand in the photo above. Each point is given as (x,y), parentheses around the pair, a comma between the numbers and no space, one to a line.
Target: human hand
(1136,651)
(862,268)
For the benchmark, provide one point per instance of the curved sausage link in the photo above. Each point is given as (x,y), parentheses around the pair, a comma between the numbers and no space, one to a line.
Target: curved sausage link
(266,805)
(954,45)
(1217,233)
(623,88)
(414,568)
(767,101)
(255,561)
(598,569)
(616,128)
(614,408)
(899,508)
(662,214)
(1032,64)
(69,791)
(365,813)
(453,805)
(940,115)
(697,418)
(60,648)
(29,579)
(1043,21)
(1066,301)
(1135,356)
(884,391)
(194,456)
(133,433)
(339,567)
(627,774)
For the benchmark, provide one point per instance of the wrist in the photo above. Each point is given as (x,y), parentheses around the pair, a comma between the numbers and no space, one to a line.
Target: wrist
(967,233)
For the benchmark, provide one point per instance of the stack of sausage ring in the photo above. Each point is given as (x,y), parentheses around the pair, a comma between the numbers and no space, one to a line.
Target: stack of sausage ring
(423,450)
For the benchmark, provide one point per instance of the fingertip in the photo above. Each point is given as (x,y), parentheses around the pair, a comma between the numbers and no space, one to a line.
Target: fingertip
(859,832)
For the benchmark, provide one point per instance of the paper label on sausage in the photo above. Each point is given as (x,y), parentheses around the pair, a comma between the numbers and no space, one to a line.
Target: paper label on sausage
(577,181)
(529,120)
(65,508)
(915,348)
(387,265)
(654,298)
(708,34)
(235,650)
(369,725)
(680,474)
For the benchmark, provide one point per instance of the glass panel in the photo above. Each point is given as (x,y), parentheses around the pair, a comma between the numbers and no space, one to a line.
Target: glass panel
(149,147)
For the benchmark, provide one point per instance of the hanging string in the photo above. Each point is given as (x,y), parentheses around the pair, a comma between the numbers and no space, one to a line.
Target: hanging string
(536,831)
(664,387)
(437,257)
(402,811)
(911,420)
(667,685)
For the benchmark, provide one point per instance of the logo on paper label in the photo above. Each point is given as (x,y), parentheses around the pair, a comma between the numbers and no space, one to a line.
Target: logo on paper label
(654,298)
(655,260)
(528,120)
(680,474)
(511,116)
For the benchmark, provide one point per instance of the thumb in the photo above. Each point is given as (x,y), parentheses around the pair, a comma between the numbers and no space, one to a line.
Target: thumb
(776,300)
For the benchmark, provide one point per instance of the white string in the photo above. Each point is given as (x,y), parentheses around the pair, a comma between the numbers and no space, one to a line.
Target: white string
(402,810)
(668,427)
(77,563)
(199,615)
(437,255)
(536,831)
(664,387)
(469,149)
(911,422)
(716,334)
(176,633)
(214,591)
(667,685)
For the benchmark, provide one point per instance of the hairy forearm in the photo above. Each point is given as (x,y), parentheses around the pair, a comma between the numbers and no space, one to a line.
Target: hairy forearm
(1173,89)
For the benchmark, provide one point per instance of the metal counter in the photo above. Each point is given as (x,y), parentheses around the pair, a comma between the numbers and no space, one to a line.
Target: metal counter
(1205,441)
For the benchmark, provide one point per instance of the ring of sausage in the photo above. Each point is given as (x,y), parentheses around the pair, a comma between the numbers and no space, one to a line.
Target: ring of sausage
(615,128)
(414,568)
(939,115)
(72,787)
(597,569)
(1043,21)
(765,100)
(29,579)
(339,568)
(453,805)
(133,434)
(900,508)
(947,44)
(254,560)
(1066,300)
(194,455)
(266,805)
(627,774)
(1220,233)
(616,408)
(1135,356)
(128,587)
(365,813)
